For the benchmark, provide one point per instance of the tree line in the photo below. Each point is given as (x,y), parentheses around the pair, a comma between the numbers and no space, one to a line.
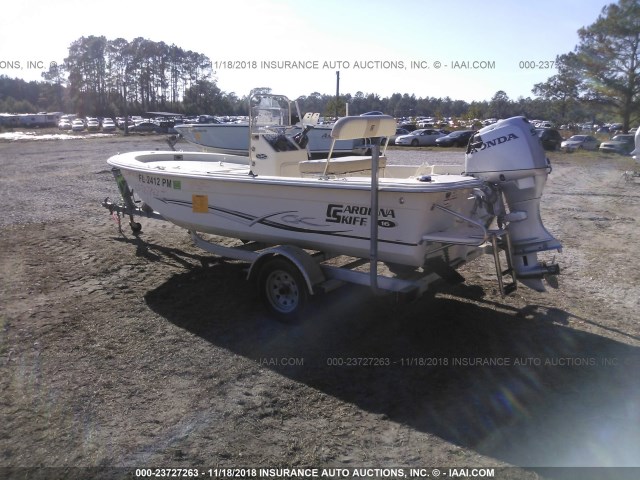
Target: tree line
(599,80)
(204,97)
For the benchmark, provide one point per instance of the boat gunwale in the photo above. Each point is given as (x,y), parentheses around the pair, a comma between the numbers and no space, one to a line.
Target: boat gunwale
(129,161)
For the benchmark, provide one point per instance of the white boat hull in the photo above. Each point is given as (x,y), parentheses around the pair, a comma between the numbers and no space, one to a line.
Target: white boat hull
(204,193)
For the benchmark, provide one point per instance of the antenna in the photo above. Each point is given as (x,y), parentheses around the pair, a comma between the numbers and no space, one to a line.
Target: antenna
(337,91)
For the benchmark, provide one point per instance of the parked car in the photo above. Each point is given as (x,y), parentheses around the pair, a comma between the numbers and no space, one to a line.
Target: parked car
(64,125)
(408,126)
(428,123)
(399,132)
(145,127)
(77,126)
(208,119)
(93,125)
(422,137)
(579,142)
(459,138)
(108,125)
(622,144)
(550,138)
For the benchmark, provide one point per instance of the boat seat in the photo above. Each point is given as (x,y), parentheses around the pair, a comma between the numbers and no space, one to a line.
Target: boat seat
(340,165)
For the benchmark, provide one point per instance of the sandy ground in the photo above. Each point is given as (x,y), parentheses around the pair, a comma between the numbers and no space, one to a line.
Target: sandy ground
(117,351)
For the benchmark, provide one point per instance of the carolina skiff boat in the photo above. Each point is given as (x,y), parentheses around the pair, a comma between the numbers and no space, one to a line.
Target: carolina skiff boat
(427,220)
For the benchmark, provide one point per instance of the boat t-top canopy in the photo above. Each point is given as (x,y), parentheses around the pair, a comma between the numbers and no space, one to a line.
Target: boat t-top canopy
(165,114)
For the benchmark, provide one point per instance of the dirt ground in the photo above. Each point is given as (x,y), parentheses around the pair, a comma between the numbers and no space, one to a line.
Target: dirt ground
(117,351)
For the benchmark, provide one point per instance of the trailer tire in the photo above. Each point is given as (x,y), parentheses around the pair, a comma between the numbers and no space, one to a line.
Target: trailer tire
(283,290)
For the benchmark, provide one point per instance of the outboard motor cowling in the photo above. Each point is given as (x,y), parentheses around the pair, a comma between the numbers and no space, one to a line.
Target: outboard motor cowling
(509,154)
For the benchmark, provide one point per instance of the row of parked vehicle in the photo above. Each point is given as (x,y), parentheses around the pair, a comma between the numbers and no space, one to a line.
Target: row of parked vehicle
(551,140)
(430,137)
(89,124)
(92,124)
(622,144)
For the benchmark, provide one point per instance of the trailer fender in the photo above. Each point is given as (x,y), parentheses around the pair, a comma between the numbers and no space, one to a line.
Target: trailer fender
(308,267)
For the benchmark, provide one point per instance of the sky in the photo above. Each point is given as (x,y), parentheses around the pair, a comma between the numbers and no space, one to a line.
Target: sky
(466,50)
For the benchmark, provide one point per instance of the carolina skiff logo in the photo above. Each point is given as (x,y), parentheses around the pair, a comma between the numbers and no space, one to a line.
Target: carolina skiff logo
(356,215)
(494,142)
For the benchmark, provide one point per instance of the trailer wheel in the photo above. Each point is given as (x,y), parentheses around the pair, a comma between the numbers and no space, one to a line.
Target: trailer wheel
(283,289)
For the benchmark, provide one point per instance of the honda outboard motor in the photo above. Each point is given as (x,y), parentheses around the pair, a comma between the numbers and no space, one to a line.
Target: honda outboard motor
(509,154)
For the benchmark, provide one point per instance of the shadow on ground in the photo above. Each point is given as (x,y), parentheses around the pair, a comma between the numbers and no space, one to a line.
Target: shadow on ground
(551,396)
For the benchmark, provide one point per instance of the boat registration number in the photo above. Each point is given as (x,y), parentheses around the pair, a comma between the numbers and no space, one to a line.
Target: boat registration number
(159,181)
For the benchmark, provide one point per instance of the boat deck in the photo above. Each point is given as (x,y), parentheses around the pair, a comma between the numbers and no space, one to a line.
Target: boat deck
(197,167)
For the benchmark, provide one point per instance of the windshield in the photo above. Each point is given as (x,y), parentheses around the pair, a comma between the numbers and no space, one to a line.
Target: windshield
(269,110)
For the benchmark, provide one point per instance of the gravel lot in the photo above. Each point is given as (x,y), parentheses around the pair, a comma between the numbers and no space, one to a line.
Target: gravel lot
(117,351)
